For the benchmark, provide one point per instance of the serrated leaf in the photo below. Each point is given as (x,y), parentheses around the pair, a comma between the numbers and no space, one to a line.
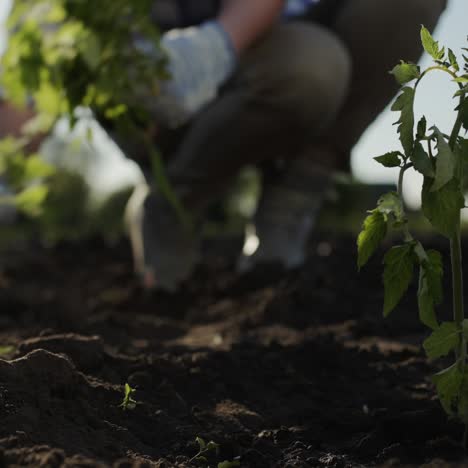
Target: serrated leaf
(430,291)
(430,45)
(391,204)
(404,104)
(421,161)
(406,72)
(398,273)
(445,162)
(391,159)
(448,384)
(442,208)
(442,341)
(373,232)
(453,60)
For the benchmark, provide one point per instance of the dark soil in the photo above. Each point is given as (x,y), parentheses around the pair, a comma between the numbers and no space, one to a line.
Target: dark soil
(280,369)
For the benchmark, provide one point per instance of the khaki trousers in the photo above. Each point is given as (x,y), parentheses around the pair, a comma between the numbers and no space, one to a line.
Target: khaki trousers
(303,86)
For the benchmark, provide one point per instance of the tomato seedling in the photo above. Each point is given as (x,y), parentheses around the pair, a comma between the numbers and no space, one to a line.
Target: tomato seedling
(442,160)
(128,402)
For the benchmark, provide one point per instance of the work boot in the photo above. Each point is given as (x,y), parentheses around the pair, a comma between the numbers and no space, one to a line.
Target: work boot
(165,251)
(287,214)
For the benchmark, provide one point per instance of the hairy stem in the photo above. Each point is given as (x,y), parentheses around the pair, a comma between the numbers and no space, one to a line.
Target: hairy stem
(456,259)
(406,234)
(457,283)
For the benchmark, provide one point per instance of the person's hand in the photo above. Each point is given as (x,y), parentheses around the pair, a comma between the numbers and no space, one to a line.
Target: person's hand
(200,59)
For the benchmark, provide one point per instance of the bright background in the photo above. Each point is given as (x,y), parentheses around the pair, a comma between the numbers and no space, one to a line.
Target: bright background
(433,101)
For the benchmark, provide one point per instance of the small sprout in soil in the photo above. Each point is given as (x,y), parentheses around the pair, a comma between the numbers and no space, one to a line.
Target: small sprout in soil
(204,449)
(6,350)
(209,448)
(442,160)
(128,403)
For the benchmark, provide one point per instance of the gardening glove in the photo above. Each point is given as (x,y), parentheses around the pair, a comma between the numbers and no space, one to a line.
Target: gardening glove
(286,216)
(164,251)
(200,59)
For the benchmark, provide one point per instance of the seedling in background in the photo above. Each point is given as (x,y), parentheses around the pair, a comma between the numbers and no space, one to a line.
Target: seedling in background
(6,350)
(204,449)
(128,403)
(211,447)
(442,160)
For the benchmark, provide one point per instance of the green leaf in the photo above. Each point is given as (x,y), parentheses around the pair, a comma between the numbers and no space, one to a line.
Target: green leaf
(201,443)
(463,109)
(461,79)
(453,60)
(373,233)
(421,128)
(391,159)
(421,161)
(212,446)
(445,162)
(398,273)
(435,273)
(406,72)
(404,104)
(48,99)
(442,341)
(430,291)
(442,208)
(430,45)
(6,350)
(37,168)
(391,204)
(426,303)
(448,384)
(91,51)
(30,200)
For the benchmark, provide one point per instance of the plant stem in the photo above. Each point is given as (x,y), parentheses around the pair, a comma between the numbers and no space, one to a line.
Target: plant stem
(456,259)
(406,234)
(457,282)
(456,129)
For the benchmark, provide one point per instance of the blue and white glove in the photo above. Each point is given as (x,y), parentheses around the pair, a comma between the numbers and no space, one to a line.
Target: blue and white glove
(200,60)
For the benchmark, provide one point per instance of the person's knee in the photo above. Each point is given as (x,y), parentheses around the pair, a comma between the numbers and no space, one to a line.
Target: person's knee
(305,71)
(320,77)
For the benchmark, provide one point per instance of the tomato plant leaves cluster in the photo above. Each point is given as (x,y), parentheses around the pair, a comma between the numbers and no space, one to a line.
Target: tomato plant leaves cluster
(63,54)
(442,161)
(66,54)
